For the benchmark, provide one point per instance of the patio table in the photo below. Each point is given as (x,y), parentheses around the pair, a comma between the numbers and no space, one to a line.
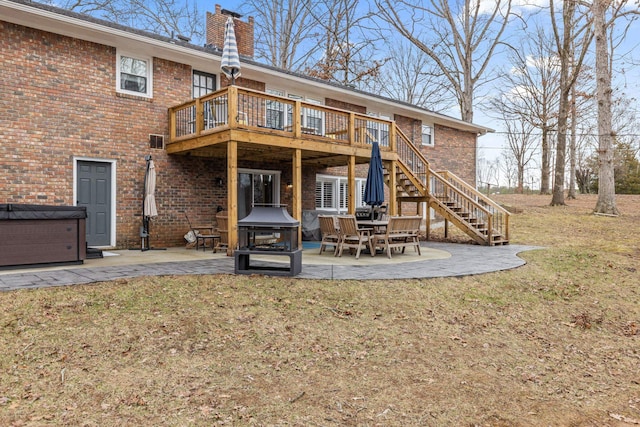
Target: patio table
(376,225)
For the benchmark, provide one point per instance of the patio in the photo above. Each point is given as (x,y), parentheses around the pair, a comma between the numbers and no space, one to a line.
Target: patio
(437,260)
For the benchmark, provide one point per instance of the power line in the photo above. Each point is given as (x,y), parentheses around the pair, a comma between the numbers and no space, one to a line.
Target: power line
(595,135)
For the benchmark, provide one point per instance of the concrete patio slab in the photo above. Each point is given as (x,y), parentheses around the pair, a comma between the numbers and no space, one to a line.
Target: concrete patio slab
(437,260)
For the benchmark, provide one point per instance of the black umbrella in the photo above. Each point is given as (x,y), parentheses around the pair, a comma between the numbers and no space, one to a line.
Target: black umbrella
(374,187)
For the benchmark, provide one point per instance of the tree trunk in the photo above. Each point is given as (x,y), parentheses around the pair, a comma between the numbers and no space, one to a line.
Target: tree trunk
(572,147)
(466,106)
(606,183)
(561,152)
(520,188)
(566,54)
(546,160)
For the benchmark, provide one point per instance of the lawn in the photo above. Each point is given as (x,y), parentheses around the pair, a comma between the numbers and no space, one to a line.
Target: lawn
(555,342)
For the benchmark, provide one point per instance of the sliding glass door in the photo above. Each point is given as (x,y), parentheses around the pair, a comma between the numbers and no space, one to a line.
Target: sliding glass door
(257,187)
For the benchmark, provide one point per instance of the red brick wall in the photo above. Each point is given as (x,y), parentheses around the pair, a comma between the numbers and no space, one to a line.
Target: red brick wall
(412,128)
(58,101)
(243,31)
(249,84)
(453,150)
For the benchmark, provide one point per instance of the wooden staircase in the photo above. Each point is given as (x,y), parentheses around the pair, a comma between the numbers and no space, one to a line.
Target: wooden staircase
(457,202)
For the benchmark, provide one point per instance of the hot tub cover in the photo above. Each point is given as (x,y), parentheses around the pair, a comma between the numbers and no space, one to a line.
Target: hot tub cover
(12,211)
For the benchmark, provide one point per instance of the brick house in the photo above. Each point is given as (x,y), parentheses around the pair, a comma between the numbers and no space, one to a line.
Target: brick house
(83,102)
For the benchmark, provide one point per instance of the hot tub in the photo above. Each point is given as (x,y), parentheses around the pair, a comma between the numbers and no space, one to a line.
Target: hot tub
(42,234)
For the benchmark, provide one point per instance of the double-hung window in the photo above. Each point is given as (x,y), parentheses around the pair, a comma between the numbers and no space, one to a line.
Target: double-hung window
(378,131)
(279,115)
(426,136)
(135,75)
(275,111)
(312,118)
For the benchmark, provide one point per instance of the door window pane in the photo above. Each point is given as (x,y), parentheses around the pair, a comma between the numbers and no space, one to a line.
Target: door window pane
(203,83)
(257,188)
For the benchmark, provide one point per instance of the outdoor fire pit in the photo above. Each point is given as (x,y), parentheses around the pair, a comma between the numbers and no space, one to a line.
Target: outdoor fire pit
(268,231)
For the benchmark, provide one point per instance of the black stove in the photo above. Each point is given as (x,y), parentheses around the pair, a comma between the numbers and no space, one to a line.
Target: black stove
(268,230)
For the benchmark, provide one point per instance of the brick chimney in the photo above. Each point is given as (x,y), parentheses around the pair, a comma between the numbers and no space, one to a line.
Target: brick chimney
(243,30)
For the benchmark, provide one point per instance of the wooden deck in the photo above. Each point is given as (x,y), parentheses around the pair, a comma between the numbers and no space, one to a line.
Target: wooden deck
(242,124)
(271,126)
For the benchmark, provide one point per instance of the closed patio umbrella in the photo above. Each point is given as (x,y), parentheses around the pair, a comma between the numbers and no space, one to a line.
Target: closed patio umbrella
(230,59)
(374,187)
(149,208)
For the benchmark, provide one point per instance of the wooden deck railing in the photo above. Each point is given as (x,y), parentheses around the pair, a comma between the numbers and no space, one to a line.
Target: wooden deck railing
(447,186)
(234,107)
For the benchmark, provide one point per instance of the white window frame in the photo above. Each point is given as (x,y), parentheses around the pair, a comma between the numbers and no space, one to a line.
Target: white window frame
(423,133)
(376,129)
(339,202)
(306,113)
(149,74)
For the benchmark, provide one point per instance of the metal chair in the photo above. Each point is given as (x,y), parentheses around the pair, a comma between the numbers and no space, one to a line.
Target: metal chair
(203,237)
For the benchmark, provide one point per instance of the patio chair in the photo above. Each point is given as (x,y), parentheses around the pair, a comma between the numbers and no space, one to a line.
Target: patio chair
(223,230)
(212,119)
(202,233)
(402,231)
(330,235)
(353,237)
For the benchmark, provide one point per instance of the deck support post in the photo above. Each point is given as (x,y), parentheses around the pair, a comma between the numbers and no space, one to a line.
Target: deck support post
(296,180)
(351,179)
(232,195)
(393,188)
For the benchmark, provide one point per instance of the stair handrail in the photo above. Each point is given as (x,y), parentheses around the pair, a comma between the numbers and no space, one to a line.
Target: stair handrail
(470,204)
(411,159)
(501,214)
(461,184)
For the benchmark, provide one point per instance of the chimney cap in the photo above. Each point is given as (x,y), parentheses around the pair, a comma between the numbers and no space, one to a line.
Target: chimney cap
(231,13)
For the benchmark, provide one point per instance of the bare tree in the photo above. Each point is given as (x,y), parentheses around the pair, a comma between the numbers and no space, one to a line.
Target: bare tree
(460,37)
(581,116)
(411,77)
(508,165)
(286,32)
(487,172)
(603,25)
(349,56)
(572,43)
(531,92)
(522,143)
(165,17)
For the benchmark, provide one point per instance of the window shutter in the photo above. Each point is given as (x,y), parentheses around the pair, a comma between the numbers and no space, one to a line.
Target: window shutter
(344,195)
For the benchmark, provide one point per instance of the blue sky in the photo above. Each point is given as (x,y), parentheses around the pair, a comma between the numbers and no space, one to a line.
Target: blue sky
(626,77)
